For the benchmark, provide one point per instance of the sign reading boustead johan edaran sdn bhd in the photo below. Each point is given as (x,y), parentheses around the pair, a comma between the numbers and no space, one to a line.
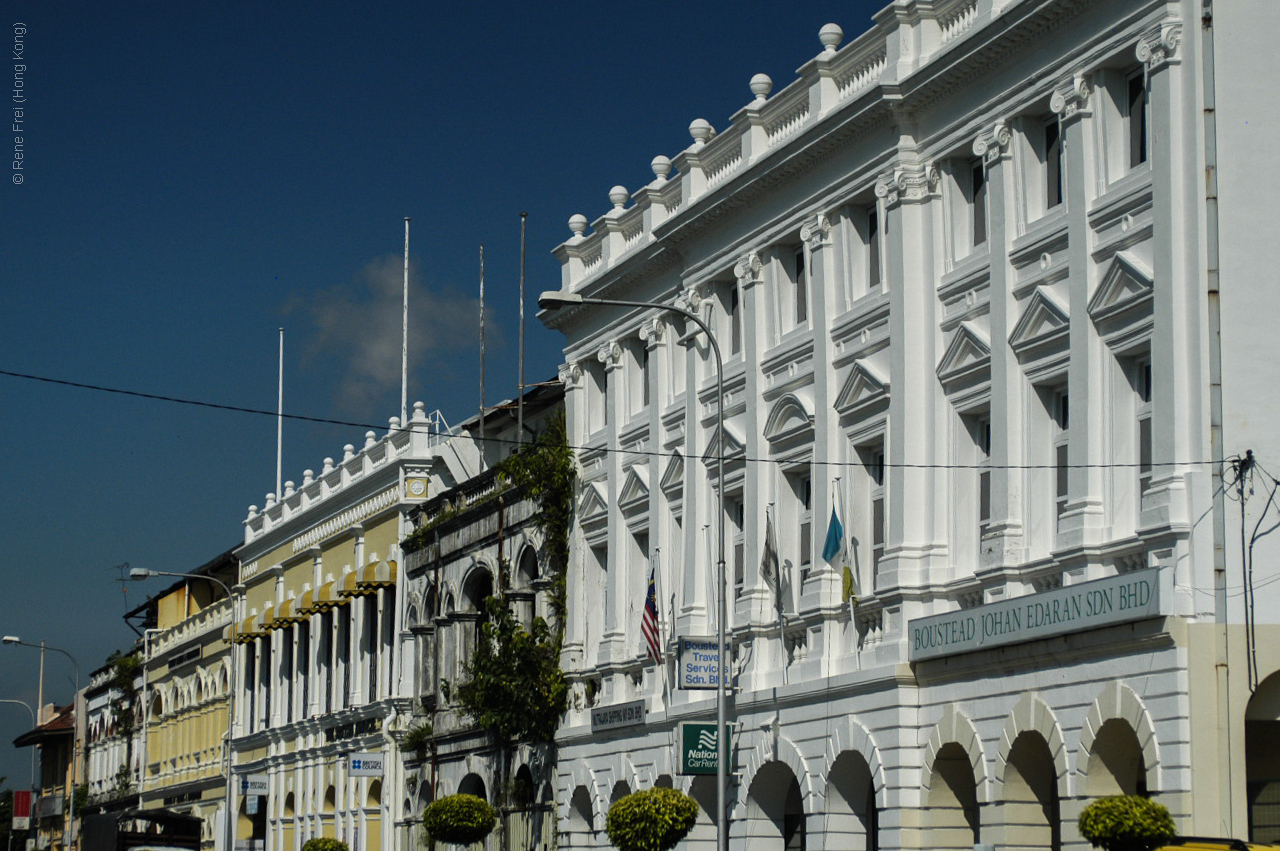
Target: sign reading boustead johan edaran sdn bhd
(1103,602)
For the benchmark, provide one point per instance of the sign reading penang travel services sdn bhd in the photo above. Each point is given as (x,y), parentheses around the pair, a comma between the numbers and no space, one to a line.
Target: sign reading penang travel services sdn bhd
(1089,605)
(698,751)
(365,765)
(696,660)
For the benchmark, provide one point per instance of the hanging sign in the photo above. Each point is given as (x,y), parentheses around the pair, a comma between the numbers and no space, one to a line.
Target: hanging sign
(696,663)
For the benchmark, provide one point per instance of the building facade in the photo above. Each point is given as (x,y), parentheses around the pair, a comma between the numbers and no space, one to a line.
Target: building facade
(185,690)
(113,733)
(55,735)
(321,691)
(479,540)
(980,308)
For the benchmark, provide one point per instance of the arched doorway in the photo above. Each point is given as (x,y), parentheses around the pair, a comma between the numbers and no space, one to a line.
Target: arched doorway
(852,820)
(952,805)
(1116,766)
(1032,820)
(775,810)
(1262,760)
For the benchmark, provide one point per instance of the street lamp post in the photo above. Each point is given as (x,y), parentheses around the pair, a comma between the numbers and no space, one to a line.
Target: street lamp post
(75,727)
(26,706)
(555,299)
(138,574)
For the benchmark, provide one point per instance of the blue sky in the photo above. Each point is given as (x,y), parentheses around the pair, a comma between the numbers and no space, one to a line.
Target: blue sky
(198,175)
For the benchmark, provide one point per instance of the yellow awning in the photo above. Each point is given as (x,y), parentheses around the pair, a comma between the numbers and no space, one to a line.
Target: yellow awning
(380,574)
(246,630)
(318,600)
(286,614)
(349,585)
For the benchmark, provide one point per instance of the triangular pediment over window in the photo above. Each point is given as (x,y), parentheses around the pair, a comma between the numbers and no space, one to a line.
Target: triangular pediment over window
(635,488)
(865,386)
(594,501)
(968,352)
(1044,321)
(672,483)
(732,440)
(791,417)
(1127,284)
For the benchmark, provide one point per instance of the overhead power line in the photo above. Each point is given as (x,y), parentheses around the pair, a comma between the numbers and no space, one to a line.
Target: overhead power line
(731,459)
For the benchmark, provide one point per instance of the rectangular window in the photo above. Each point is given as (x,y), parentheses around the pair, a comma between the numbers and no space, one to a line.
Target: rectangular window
(872,459)
(982,442)
(1144,426)
(734,506)
(873,249)
(735,321)
(644,377)
(1052,164)
(978,201)
(1062,469)
(801,282)
(806,526)
(1136,119)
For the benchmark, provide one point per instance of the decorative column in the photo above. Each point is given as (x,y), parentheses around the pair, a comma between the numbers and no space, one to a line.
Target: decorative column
(1083,521)
(915,552)
(696,593)
(614,644)
(572,651)
(1003,544)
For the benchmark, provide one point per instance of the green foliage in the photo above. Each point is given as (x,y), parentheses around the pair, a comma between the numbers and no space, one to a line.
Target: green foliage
(80,799)
(1126,823)
(513,685)
(458,819)
(544,470)
(651,820)
(324,843)
(418,738)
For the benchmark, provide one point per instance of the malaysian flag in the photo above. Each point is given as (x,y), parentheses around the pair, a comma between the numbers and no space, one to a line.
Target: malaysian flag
(649,622)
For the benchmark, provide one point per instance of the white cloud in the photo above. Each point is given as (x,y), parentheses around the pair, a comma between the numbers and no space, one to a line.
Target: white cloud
(359,325)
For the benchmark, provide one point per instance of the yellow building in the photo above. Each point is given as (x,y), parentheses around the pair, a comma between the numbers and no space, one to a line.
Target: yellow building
(321,690)
(186,684)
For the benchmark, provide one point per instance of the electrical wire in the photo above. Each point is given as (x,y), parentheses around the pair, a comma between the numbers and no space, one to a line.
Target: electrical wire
(729,459)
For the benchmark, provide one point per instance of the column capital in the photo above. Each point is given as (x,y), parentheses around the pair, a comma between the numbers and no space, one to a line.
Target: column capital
(652,330)
(747,269)
(993,145)
(908,182)
(1158,46)
(610,354)
(817,232)
(1070,100)
(570,375)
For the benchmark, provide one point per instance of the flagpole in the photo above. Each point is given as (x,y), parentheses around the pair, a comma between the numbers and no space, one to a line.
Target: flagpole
(404,336)
(280,417)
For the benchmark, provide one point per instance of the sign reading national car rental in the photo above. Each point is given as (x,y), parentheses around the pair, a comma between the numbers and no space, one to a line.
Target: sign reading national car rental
(1103,602)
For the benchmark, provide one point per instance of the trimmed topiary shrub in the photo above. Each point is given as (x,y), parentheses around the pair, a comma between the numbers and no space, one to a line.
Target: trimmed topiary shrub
(1126,823)
(651,820)
(458,819)
(324,843)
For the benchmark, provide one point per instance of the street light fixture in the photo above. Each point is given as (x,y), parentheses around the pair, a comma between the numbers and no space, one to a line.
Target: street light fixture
(556,299)
(138,574)
(75,725)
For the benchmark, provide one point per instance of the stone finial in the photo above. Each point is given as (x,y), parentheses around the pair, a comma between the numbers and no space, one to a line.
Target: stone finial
(419,412)
(348,452)
(619,196)
(393,424)
(269,501)
(289,490)
(370,438)
(253,512)
(761,85)
(831,35)
(578,225)
(327,468)
(701,131)
(661,167)
(308,476)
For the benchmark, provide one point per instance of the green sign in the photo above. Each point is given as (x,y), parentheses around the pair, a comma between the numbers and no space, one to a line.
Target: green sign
(697,744)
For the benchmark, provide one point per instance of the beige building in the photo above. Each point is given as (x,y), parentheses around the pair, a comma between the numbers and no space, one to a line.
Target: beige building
(184,694)
(321,692)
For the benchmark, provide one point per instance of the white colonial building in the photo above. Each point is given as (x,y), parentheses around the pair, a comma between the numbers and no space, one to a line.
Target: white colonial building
(993,285)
